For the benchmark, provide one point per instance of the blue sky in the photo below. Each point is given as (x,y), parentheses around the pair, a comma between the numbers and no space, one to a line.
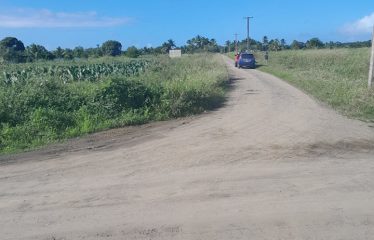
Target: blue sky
(150,22)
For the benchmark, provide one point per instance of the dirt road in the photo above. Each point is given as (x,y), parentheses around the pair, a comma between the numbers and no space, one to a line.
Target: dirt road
(271,164)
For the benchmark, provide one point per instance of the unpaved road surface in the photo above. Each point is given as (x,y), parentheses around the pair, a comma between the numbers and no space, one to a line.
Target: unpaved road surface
(271,164)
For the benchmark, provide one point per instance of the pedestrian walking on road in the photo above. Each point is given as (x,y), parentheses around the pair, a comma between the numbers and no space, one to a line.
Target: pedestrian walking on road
(237,56)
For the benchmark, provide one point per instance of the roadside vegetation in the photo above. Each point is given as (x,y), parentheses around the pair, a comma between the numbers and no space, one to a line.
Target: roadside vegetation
(51,95)
(337,77)
(45,102)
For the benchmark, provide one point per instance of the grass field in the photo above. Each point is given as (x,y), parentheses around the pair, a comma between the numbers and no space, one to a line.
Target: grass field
(337,77)
(45,102)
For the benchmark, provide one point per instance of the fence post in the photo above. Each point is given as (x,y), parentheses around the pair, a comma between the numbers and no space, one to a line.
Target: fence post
(371,67)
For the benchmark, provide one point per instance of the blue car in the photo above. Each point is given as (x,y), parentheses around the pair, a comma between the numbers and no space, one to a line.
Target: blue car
(247,60)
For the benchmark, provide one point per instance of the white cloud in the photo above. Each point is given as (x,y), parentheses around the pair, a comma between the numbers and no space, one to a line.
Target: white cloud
(359,27)
(44,18)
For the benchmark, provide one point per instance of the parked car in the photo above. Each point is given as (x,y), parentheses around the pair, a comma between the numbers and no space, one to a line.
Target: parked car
(246,60)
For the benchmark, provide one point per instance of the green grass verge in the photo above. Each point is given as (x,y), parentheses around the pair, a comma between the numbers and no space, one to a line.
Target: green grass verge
(44,110)
(337,77)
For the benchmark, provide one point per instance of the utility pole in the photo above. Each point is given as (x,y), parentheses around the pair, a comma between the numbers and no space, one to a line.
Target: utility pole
(248,18)
(236,43)
(371,67)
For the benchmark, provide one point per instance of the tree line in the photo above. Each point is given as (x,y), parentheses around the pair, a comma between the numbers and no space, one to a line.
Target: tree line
(14,51)
(277,45)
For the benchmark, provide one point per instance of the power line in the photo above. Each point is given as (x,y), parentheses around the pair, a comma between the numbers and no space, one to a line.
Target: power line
(248,18)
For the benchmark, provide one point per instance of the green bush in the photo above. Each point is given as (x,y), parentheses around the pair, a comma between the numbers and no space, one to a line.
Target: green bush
(123,94)
(132,52)
(35,111)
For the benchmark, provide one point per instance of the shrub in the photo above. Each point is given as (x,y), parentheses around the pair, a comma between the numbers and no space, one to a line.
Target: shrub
(36,111)
(123,94)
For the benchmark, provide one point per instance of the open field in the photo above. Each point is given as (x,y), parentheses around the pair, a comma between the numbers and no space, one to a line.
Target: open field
(272,163)
(44,102)
(337,77)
